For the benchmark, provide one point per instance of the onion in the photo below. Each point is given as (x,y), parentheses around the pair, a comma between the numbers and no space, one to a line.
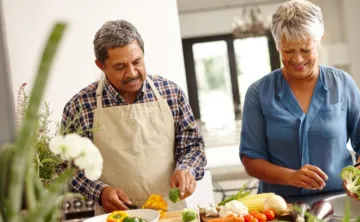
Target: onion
(277,204)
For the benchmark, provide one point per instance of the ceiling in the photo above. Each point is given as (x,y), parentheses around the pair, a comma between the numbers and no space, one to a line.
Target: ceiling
(193,6)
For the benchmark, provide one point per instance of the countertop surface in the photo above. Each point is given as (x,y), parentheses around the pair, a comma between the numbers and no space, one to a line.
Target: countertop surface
(311,199)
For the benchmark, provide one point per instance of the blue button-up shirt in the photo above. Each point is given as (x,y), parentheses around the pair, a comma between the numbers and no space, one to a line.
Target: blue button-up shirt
(275,129)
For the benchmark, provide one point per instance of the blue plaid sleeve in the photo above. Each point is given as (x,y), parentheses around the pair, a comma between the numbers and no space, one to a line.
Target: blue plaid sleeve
(80,184)
(189,153)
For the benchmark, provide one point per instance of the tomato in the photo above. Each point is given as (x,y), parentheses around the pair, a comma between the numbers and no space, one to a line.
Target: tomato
(253,220)
(248,217)
(254,213)
(261,217)
(270,215)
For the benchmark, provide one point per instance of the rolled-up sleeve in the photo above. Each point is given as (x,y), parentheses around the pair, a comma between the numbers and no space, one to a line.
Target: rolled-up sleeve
(353,113)
(253,132)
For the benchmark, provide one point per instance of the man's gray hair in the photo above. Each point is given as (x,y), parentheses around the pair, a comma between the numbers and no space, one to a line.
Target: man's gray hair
(115,34)
(297,20)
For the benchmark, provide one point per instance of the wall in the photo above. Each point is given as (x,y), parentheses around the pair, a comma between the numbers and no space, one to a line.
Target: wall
(28,23)
(351,10)
(214,22)
(340,44)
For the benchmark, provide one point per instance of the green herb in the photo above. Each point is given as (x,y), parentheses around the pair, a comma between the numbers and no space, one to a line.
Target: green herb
(241,193)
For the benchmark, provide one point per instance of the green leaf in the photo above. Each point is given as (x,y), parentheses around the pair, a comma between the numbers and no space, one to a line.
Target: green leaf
(28,129)
(241,193)
(47,160)
(55,192)
(6,153)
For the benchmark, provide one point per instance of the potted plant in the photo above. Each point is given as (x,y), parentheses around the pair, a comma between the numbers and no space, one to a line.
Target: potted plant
(18,176)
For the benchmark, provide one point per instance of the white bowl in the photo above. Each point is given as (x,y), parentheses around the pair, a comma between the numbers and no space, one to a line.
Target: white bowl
(146,214)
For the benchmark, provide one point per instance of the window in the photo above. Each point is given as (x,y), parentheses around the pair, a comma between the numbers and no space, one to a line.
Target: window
(219,70)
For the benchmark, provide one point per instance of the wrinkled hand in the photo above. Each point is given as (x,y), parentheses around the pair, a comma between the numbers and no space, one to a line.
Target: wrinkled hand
(309,177)
(185,181)
(353,195)
(113,199)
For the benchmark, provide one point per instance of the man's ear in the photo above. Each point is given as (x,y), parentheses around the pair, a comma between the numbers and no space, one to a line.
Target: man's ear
(100,65)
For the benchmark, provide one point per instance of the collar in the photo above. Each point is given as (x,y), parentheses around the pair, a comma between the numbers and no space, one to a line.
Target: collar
(280,81)
(114,93)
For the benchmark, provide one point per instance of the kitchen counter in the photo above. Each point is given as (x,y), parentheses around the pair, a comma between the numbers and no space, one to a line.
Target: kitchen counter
(311,199)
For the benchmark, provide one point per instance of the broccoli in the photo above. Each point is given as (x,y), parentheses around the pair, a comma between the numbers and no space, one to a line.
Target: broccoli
(174,194)
(188,215)
(351,176)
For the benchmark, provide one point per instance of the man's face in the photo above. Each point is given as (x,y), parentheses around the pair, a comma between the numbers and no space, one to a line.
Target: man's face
(125,68)
(300,58)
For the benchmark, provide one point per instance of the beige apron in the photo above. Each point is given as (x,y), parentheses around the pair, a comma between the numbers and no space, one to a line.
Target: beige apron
(137,142)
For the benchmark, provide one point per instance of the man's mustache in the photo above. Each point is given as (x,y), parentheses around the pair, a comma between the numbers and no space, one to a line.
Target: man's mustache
(131,79)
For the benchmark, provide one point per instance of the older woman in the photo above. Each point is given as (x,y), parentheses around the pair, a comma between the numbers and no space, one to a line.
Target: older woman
(298,119)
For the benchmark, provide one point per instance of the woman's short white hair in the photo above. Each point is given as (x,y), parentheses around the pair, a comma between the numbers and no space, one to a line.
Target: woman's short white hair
(297,20)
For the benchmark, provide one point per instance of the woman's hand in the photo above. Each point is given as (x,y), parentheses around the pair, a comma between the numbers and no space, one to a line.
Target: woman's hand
(309,177)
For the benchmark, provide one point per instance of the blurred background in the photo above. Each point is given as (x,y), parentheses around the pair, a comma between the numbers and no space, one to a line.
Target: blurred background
(214,49)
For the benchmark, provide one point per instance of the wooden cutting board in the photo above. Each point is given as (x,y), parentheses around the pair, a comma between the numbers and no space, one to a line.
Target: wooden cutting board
(173,216)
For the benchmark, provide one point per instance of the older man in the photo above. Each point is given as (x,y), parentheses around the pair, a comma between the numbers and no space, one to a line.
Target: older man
(144,126)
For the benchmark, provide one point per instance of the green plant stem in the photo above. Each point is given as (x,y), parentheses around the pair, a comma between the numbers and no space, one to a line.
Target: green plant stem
(39,189)
(52,198)
(30,189)
(6,154)
(28,129)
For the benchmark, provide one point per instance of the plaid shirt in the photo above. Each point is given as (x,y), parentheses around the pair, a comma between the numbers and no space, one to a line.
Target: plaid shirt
(189,150)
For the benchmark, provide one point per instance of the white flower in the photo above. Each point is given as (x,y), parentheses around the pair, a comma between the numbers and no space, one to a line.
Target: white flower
(82,151)
(92,173)
(93,169)
(90,155)
(77,145)
(58,146)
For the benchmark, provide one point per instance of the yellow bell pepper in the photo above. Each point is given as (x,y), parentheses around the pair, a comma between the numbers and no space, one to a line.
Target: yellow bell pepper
(117,216)
(156,202)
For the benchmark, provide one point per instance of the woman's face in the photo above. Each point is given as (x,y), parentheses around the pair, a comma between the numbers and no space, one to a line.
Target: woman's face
(300,58)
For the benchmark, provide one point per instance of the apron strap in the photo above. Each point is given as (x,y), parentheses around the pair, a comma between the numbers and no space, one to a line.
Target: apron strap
(154,89)
(99,93)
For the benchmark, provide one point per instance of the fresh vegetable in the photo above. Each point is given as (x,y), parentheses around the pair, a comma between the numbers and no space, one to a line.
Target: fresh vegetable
(298,212)
(255,202)
(254,213)
(254,220)
(233,218)
(270,215)
(233,207)
(240,194)
(174,194)
(276,203)
(209,210)
(133,219)
(351,177)
(248,217)
(261,217)
(117,216)
(320,210)
(230,218)
(188,215)
(156,202)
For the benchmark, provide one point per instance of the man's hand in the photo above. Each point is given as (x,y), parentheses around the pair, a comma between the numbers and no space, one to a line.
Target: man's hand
(113,199)
(185,181)
(309,177)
